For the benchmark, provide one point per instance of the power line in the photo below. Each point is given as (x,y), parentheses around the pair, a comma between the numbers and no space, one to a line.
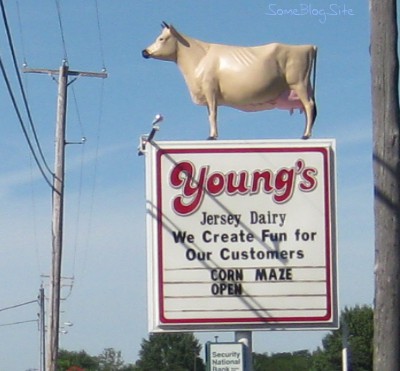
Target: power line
(60,24)
(7,81)
(94,177)
(11,45)
(18,323)
(18,305)
(100,35)
(21,33)
(78,212)
(101,49)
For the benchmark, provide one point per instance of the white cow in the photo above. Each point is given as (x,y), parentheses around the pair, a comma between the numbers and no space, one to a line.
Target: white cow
(247,78)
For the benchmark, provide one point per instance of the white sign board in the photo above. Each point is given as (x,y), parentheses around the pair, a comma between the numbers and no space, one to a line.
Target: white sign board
(225,356)
(241,235)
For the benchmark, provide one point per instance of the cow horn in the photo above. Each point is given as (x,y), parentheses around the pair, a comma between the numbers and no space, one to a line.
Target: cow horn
(164,24)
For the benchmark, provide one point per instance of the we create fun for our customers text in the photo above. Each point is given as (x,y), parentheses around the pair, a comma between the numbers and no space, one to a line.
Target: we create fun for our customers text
(228,281)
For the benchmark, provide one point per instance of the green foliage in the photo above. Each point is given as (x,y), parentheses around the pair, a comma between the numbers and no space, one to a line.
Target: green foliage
(109,360)
(180,352)
(166,352)
(67,360)
(359,322)
(296,361)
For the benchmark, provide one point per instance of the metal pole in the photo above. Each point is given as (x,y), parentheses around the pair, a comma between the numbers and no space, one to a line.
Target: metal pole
(245,337)
(57,219)
(42,331)
(345,346)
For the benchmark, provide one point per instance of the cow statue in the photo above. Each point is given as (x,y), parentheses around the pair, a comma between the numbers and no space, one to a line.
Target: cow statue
(246,78)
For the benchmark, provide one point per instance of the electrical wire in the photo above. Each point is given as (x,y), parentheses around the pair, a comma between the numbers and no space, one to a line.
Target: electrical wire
(62,33)
(18,305)
(99,127)
(10,92)
(35,240)
(60,24)
(18,323)
(78,212)
(24,87)
(14,58)
(94,178)
(100,35)
(21,34)
(99,120)
(97,143)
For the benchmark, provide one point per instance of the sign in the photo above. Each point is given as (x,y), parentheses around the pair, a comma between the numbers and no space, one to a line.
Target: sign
(225,356)
(241,235)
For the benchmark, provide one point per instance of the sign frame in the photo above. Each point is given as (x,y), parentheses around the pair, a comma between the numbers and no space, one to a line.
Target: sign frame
(160,223)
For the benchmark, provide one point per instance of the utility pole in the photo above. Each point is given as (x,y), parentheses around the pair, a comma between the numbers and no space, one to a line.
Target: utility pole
(386,157)
(58,205)
(57,218)
(42,329)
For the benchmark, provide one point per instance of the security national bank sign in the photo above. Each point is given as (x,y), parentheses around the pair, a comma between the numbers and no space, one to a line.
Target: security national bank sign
(241,235)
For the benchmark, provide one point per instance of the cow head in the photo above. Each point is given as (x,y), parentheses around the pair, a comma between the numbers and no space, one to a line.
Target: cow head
(166,45)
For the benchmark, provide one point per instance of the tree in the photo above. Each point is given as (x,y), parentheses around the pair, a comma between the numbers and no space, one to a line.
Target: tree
(296,361)
(359,321)
(386,135)
(68,361)
(108,360)
(166,352)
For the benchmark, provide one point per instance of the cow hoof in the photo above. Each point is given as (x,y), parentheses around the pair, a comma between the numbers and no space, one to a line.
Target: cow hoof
(306,137)
(212,138)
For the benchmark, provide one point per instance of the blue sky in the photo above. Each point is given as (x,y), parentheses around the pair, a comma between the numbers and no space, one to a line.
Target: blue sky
(104,247)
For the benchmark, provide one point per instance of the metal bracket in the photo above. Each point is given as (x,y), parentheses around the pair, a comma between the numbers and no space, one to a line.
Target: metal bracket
(146,138)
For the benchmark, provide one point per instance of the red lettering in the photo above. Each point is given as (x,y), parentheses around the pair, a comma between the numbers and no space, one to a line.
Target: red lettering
(237,183)
(266,176)
(284,184)
(193,190)
(216,184)
(309,181)
(194,186)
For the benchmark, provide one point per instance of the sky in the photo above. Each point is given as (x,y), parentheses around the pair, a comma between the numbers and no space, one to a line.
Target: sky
(104,256)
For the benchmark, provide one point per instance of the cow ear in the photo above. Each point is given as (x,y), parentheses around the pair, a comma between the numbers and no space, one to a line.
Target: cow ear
(173,31)
(178,36)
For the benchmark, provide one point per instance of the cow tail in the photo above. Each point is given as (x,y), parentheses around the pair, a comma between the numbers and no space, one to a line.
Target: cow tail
(314,71)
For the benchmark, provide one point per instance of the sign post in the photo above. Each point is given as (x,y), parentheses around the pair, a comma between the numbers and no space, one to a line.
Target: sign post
(246,338)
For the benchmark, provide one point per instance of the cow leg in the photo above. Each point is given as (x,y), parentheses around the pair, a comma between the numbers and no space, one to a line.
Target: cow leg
(310,109)
(311,113)
(212,118)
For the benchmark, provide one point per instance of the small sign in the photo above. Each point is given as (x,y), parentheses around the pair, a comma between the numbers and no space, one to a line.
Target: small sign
(225,357)
(241,235)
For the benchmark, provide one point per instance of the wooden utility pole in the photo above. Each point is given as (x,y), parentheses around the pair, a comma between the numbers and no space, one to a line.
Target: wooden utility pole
(57,219)
(386,157)
(58,206)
